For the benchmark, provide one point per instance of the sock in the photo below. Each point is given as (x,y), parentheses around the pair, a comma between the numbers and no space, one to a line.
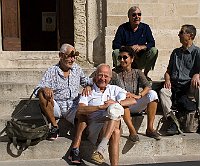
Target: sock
(103,145)
(75,150)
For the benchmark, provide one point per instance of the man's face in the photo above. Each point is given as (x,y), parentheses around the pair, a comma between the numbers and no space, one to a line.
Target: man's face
(184,36)
(68,58)
(135,17)
(103,77)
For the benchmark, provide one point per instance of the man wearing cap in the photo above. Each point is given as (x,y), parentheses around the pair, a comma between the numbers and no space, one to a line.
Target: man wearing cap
(58,90)
(102,110)
(139,36)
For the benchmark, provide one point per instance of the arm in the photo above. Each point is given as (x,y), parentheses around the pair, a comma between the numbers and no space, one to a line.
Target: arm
(167,83)
(127,102)
(117,42)
(195,80)
(45,82)
(150,39)
(86,110)
(149,42)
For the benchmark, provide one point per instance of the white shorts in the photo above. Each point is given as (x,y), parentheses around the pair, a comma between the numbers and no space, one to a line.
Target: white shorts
(69,115)
(143,102)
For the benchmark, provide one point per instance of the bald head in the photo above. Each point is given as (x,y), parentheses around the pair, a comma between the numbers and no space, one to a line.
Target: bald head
(103,76)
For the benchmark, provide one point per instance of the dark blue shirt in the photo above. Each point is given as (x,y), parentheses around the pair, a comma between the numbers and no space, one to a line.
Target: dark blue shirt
(183,64)
(125,36)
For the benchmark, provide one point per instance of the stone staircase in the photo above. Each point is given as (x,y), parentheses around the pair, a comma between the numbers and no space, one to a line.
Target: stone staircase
(17,81)
(21,71)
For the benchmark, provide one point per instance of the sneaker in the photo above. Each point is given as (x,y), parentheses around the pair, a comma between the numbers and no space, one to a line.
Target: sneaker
(74,156)
(53,133)
(153,134)
(134,138)
(172,130)
(97,157)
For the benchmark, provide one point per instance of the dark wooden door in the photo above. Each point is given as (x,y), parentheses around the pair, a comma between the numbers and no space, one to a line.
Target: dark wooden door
(11,25)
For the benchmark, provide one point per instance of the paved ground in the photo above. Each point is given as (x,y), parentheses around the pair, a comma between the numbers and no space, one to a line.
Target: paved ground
(143,161)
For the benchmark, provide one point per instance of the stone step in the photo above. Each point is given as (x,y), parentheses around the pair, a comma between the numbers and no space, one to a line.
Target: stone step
(28,59)
(10,91)
(32,59)
(10,107)
(177,160)
(167,146)
(30,76)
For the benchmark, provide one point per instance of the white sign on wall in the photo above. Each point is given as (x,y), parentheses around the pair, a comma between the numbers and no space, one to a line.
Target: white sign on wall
(48,21)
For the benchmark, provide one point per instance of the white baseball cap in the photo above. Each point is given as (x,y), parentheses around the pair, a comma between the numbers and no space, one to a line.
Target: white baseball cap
(115,111)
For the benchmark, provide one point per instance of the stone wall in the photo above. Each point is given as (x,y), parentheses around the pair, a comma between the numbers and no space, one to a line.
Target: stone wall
(165,17)
(89,23)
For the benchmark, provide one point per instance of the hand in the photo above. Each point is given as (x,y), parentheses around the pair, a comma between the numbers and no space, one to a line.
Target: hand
(86,91)
(128,102)
(167,85)
(48,95)
(138,48)
(195,81)
(107,104)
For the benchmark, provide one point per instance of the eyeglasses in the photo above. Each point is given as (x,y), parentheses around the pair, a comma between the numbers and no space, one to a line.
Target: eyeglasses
(138,14)
(72,54)
(120,57)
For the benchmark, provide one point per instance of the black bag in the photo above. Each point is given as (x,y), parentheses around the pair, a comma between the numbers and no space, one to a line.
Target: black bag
(187,114)
(28,126)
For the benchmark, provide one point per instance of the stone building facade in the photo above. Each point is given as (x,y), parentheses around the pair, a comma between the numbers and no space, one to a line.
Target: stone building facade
(96,21)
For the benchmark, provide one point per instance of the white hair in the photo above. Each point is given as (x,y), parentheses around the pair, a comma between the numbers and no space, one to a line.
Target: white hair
(65,47)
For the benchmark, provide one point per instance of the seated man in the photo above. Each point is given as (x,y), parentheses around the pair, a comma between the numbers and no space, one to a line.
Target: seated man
(138,35)
(182,75)
(103,125)
(58,91)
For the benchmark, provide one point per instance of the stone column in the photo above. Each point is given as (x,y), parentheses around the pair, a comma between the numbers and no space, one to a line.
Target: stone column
(0,31)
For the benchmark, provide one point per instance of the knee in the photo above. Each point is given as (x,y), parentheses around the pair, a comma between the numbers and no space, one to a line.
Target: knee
(165,92)
(154,51)
(116,135)
(152,95)
(115,52)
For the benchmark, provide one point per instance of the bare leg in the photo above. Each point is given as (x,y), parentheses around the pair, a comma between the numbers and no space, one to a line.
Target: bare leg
(151,112)
(114,146)
(79,131)
(47,108)
(110,133)
(108,128)
(128,120)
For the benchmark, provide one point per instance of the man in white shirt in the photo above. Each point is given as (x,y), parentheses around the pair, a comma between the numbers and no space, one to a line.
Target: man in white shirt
(102,110)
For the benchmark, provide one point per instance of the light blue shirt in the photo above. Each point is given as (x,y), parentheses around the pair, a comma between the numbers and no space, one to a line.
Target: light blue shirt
(66,89)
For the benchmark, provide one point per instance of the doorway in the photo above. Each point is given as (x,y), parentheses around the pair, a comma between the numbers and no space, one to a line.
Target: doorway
(46,24)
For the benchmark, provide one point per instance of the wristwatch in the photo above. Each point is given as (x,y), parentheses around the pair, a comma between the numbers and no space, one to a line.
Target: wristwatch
(140,94)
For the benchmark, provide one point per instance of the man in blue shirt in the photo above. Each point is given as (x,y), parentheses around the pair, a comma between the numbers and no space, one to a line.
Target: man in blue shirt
(58,90)
(138,35)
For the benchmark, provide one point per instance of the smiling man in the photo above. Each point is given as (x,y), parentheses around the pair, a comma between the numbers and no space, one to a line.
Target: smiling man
(59,88)
(138,35)
(101,111)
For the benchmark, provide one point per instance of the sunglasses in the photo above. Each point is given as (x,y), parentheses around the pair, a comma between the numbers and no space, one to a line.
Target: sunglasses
(124,57)
(138,14)
(182,32)
(72,54)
